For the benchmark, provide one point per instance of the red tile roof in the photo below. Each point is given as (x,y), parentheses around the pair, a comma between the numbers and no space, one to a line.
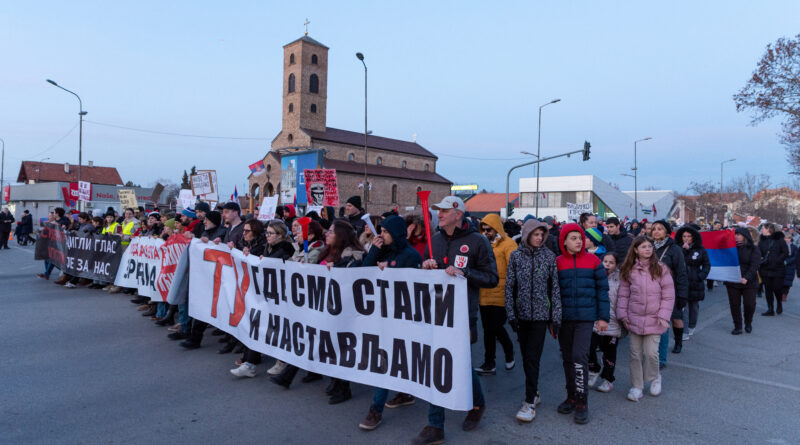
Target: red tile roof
(357,139)
(51,172)
(489,202)
(380,170)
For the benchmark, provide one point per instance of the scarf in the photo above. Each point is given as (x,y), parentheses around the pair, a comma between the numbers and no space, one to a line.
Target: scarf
(660,244)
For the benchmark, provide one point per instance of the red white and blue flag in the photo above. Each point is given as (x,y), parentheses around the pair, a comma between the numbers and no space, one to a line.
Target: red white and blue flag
(721,248)
(235,195)
(257,168)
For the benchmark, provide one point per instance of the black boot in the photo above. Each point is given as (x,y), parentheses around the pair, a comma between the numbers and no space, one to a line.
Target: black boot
(169,317)
(678,333)
(341,392)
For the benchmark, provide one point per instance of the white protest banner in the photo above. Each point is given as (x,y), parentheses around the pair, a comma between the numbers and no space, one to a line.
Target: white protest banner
(214,195)
(201,184)
(186,199)
(317,209)
(84,191)
(574,210)
(400,329)
(149,265)
(268,206)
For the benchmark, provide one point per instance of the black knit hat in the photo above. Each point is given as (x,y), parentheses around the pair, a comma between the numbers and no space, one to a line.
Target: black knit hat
(666,225)
(215,217)
(355,200)
(232,206)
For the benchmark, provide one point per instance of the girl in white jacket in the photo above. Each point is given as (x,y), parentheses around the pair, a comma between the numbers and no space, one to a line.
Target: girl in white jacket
(601,378)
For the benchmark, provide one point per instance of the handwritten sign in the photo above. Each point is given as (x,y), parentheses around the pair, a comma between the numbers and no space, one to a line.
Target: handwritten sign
(267,210)
(321,188)
(84,191)
(201,184)
(127,199)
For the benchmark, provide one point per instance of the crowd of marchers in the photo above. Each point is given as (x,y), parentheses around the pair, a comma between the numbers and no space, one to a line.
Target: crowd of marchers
(587,283)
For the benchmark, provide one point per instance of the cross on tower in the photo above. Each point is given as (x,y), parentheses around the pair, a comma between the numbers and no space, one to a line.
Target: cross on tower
(306,23)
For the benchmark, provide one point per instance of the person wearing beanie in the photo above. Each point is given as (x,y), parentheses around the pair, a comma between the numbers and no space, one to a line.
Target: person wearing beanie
(622,239)
(671,255)
(353,212)
(594,242)
(743,293)
(189,213)
(589,221)
(202,207)
(585,306)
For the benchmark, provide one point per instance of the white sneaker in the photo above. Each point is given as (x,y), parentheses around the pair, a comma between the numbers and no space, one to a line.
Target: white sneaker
(593,376)
(691,331)
(277,368)
(655,386)
(245,370)
(634,394)
(537,400)
(527,412)
(70,285)
(605,386)
(686,336)
(510,365)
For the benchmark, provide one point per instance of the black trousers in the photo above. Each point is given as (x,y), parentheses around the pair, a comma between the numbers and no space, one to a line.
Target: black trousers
(737,296)
(4,239)
(531,336)
(252,357)
(608,346)
(709,284)
(493,318)
(198,327)
(574,337)
(773,289)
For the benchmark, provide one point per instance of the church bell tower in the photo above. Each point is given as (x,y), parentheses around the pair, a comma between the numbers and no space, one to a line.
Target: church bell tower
(305,85)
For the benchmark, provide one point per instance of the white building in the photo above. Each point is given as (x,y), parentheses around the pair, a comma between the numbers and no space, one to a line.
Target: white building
(555,192)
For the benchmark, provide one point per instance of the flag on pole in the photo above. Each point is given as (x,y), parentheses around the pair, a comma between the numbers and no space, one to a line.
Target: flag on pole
(360,184)
(722,254)
(655,212)
(257,168)
(235,195)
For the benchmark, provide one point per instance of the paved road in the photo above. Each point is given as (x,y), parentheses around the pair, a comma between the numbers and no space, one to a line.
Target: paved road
(81,366)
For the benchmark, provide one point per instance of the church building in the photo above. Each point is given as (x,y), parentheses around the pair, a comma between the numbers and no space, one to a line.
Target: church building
(395,170)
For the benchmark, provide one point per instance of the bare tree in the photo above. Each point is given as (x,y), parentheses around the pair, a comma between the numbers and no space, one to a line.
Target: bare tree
(774,90)
(749,184)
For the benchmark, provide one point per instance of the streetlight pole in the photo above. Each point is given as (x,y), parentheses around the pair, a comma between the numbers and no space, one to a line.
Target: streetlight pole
(81,113)
(636,177)
(539,151)
(536,167)
(2,173)
(721,199)
(360,57)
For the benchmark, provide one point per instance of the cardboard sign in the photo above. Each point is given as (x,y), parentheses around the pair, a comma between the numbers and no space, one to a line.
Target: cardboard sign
(186,199)
(84,191)
(267,210)
(214,195)
(321,189)
(201,184)
(574,210)
(127,199)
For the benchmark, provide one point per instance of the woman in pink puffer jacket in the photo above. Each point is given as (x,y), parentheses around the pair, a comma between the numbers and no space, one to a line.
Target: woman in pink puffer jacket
(644,305)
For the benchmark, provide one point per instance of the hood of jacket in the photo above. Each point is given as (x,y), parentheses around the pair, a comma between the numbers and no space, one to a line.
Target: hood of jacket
(566,230)
(396,226)
(493,220)
(745,233)
(528,228)
(777,236)
(697,240)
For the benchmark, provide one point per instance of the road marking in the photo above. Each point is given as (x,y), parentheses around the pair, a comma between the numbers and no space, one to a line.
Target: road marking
(736,376)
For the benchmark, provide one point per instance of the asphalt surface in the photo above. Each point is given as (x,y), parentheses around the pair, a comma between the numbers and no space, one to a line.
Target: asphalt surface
(81,366)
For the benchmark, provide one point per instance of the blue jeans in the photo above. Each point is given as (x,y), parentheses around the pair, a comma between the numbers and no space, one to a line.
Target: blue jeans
(436,413)
(183,317)
(162,309)
(379,397)
(663,348)
(48,269)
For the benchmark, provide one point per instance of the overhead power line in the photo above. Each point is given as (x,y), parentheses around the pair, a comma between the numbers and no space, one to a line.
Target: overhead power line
(169,133)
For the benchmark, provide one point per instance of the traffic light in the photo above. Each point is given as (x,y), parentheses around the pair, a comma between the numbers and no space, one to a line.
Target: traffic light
(509,209)
(586,147)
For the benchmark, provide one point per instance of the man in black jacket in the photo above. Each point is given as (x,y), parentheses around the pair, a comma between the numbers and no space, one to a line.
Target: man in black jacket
(27,228)
(6,219)
(622,239)
(460,250)
(353,212)
(774,252)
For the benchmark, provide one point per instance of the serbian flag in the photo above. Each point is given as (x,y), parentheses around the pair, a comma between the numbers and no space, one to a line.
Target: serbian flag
(655,212)
(235,195)
(257,168)
(721,248)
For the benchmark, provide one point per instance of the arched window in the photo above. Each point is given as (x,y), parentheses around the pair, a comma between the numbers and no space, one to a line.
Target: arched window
(313,84)
(291,83)
(313,108)
(269,168)
(291,59)
(394,193)
(419,189)
(290,137)
(255,192)
(351,157)
(404,164)
(426,167)
(379,161)
(313,59)
(291,108)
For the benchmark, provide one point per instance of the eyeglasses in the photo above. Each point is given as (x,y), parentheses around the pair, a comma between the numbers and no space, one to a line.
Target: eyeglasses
(487,229)
(246,230)
(271,233)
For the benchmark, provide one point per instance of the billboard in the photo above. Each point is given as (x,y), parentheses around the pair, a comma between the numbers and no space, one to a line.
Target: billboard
(293,182)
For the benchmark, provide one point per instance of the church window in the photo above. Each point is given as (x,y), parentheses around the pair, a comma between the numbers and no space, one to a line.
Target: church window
(291,83)
(313,108)
(290,137)
(313,59)
(427,168)
(379,161)
(291,59)
(394,193)
(291,108)
(404,164)
(313,84)
(351,157)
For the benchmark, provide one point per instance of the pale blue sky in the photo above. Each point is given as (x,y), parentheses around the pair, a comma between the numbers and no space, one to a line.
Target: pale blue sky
(466,77)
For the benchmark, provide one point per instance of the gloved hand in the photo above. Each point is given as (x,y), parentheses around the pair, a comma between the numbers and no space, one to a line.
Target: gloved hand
(554,327)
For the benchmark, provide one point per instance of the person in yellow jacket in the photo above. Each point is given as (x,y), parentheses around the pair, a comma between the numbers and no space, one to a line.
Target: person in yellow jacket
(493,301)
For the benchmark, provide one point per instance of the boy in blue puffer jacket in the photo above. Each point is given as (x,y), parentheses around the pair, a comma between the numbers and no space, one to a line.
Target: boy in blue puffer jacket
(584,301)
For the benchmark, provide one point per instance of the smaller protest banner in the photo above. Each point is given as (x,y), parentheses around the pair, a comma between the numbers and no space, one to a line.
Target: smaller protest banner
(201,184)
(267,210)
(321,188)
(213,196)
(84,191)
(574,210)
(92,256)
(186,199)
(127,199)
